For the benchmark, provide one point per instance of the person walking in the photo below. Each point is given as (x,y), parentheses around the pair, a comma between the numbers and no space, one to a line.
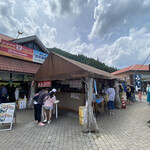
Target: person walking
(48,105)
(148,93)
(110,91)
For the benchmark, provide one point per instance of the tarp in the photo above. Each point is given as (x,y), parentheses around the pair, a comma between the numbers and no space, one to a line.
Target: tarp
(57,67)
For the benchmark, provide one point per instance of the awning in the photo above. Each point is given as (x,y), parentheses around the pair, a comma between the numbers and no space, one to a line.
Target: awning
(57,67)
(16,65)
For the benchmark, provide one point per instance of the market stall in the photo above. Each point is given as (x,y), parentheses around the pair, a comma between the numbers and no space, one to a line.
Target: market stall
(61,70)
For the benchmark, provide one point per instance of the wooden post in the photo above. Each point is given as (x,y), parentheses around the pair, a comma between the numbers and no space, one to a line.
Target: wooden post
(118,101)
(90,124)
(31,95)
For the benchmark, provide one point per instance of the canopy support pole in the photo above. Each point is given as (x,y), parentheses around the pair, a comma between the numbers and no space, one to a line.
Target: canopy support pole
(90,124)
(31,95)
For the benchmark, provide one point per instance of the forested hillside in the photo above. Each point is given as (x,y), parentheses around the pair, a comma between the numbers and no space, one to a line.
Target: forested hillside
(83,59)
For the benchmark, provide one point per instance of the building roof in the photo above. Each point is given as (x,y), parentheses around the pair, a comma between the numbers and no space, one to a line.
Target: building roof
(132,68)
(15,65)
(29,39)
(4,37)
(57,67)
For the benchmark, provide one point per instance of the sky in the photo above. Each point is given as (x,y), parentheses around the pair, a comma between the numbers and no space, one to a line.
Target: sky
(117,32)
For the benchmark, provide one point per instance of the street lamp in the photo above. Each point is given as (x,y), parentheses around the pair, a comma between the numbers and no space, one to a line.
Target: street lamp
(19,32)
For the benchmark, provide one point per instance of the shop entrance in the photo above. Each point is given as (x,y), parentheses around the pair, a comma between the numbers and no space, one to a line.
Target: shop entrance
(14,86)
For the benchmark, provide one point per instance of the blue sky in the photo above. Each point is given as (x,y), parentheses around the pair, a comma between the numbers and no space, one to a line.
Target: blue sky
(115,31)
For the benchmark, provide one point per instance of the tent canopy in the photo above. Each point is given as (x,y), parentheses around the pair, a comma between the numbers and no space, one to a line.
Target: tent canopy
(57,67)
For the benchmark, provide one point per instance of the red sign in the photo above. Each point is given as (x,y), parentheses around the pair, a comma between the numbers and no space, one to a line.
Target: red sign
(15,53)
(15,50)
(16,47)
(44,84)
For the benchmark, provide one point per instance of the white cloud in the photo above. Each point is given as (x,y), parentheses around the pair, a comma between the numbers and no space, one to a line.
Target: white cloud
(62,8)
(120,32)
(31,8)
(127,50)
(114,14)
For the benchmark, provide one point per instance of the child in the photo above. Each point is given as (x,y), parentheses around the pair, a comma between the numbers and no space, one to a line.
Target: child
(140,95)
(48,105)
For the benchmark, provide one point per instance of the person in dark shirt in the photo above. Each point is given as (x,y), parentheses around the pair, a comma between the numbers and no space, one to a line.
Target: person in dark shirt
(128,94)
(132,93)
(40,102)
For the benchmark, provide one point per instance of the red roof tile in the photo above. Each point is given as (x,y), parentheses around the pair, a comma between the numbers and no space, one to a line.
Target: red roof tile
(133,68)
(16,65)
(4,37)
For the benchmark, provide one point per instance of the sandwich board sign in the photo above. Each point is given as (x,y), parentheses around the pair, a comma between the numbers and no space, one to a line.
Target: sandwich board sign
(7,111)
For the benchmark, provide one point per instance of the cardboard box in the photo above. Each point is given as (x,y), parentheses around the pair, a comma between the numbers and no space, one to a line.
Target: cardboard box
(22,103)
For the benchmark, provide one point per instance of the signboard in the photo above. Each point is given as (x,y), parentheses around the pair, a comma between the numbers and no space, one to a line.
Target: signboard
(16,53)
(15,50)
(39,57)
(7,112)
(21,52)
(44,84)
(137,81)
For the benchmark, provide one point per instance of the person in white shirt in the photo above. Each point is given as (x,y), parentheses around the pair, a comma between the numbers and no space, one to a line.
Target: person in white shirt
(110,91)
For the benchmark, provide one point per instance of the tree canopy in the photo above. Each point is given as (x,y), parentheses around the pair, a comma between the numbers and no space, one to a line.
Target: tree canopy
(84,59)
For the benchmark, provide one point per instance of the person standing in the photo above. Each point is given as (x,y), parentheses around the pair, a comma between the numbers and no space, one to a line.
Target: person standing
(148,93)
(35,108)
(4,94)
(40,102)
(132,93)
(140,95)
(110,91)
(128,94)
(48,105)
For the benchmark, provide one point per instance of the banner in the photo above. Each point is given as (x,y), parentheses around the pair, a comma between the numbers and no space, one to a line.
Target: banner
(95,87)
(18,51)
(16,54)
(44,84)
(39,57)
(15,46)
(137,82)
(7,112)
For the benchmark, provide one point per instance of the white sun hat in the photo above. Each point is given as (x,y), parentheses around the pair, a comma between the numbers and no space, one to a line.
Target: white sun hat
(54,90)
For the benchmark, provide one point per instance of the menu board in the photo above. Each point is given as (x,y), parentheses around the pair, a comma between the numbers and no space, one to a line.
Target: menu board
(7,112)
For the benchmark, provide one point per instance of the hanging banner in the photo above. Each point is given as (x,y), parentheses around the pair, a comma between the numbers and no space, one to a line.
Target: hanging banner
(95,87)
(7,112)
(44,84)
(137,82)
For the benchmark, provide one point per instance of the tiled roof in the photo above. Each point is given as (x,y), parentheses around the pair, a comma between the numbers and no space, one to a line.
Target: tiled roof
(16,65)
(133,68)
(4,37)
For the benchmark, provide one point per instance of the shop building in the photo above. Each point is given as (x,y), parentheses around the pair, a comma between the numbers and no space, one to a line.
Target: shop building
(137,75)
(20,59)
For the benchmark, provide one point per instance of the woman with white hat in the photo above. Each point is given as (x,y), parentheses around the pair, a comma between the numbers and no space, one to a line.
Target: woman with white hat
(48,105)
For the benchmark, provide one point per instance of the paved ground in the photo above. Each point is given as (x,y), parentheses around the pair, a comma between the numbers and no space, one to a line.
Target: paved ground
(126,130)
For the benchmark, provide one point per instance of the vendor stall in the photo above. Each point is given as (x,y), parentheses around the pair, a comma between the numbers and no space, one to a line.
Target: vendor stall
(74,82)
